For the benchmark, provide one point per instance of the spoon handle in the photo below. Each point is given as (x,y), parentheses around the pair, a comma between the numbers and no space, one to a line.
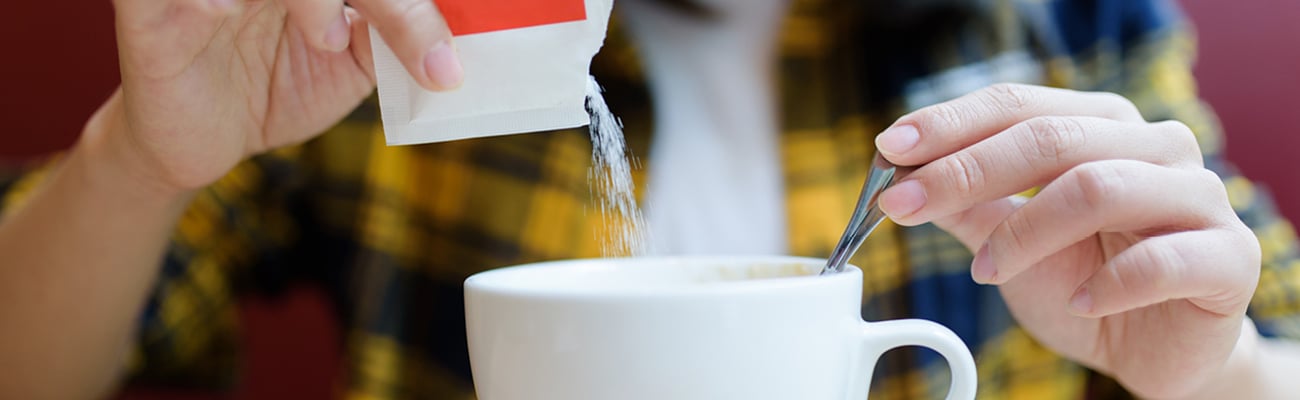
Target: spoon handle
(867,215)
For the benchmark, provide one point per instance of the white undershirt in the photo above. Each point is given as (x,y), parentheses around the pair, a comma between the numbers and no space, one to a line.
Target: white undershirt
(715,178)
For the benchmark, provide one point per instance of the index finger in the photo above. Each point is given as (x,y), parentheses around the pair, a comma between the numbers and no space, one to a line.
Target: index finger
(1028,155)
(418,35)
(932,132)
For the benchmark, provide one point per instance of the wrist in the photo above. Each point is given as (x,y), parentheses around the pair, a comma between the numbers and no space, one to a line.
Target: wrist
(1240,375)
(107,157)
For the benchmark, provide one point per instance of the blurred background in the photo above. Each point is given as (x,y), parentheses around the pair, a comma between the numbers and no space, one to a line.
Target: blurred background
(61,65)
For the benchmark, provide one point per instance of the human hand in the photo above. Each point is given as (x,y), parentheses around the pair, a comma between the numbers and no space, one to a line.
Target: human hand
(207,83)
(1130,259)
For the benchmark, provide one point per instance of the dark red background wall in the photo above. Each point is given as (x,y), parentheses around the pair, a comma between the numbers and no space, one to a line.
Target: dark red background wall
(1249,70)
(60,63)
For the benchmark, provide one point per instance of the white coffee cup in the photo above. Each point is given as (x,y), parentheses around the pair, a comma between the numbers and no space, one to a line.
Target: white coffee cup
(706,328)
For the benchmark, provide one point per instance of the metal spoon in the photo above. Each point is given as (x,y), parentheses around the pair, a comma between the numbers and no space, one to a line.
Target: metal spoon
(866,216)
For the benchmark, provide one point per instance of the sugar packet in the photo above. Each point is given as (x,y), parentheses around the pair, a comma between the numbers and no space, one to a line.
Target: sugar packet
(526,66)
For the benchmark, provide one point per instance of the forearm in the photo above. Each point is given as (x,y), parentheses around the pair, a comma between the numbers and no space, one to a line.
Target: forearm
(1259,368)
(79,259)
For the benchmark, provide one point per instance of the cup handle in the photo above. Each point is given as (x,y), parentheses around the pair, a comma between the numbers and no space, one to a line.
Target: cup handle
(879,337)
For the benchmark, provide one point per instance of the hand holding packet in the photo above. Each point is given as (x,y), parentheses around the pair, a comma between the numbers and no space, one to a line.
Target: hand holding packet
(526,66)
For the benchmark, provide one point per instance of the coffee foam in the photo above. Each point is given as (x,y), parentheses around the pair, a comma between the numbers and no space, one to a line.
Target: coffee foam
(646,275)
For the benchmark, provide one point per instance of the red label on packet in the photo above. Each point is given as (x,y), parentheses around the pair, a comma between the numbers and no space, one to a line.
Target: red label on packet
(466,17)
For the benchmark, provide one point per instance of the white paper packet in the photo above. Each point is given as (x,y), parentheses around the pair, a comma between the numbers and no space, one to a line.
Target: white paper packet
(524,72)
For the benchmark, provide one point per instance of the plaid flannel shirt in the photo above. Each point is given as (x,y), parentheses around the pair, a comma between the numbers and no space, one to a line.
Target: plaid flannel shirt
(391,232)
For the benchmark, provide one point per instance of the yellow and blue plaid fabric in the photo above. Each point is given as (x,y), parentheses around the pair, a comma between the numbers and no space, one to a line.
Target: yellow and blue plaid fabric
(391,232)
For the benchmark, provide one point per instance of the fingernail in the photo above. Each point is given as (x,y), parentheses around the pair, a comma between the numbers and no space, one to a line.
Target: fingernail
(981,268)
(898,139)
(1081,303)
(338,34)
(902,200)
(443,66)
